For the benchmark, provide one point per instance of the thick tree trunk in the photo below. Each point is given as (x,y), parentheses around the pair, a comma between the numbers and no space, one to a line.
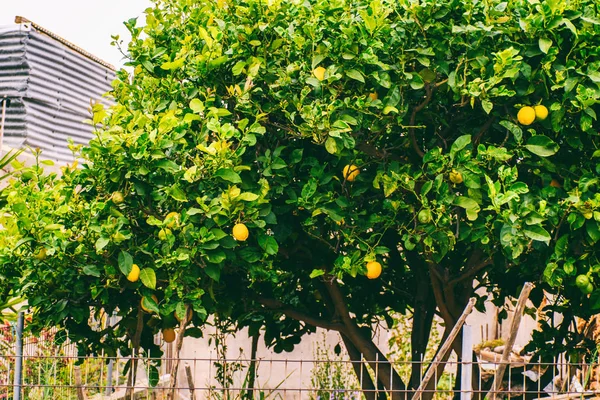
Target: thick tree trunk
(252,368)
(135,342)
(384,370)
(423,313)
(362,374)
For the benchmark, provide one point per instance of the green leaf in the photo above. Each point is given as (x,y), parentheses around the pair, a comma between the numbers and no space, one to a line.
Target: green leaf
(514,129)
(247,196)
(148,278)
(536,232)
(487,105)
(545,44)
(317,60)
(213,271)
(268,244)
(356,75)
(389,109)
(228,175)
(316,272)
(197,106)
(125,262)
(149,304)
(91,270)
(460,143)
(101,244)
(470,206)
(238,68)
(542,146)
(172,65)
(331,145)
(592,230)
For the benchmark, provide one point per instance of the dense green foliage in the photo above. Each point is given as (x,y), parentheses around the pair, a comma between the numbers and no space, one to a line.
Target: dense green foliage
(248,112)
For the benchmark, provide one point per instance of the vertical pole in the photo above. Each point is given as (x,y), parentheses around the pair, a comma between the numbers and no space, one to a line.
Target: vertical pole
(109,373)
(466,384)
(18,358)
(4,102)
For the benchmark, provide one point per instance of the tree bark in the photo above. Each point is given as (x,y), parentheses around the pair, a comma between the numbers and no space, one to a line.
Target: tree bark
(386,374)
(362,374)
(252,368)
(423,313)
(178,345)
(135,342)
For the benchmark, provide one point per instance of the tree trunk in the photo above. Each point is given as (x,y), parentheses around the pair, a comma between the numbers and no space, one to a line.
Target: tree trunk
(178,345)
(423,313)
(383,368)
(135,342)
(362,374)
(252,367)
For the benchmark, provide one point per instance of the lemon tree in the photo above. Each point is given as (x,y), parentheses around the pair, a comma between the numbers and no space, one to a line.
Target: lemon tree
(264,157)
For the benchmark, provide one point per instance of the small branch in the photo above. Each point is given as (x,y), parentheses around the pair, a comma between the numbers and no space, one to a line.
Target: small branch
(470,272)
(413,117)
(483,130)
(276,305)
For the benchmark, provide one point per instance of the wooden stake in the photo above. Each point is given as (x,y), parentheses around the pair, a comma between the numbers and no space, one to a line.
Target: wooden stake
(78,384)
(190,380)
(444,349)
(510,341)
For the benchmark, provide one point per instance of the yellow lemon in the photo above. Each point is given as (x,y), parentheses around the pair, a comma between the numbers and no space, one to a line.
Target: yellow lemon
(373,270)
(351,172)
(172,219)
(169,335)
(541,112)
(117,198)
(41,255)
(240,232)
(164,233)
(526,115)
(456,177)
(134,274)
(319,73)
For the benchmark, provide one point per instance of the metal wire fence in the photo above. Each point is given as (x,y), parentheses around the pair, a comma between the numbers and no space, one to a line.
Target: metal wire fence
(69,377)
(56,372)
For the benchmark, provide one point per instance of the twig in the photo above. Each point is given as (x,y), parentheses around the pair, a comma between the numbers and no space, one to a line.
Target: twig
(413,117)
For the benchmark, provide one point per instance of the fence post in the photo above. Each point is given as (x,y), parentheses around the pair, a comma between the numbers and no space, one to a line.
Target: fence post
(18,358)
(466,373)
(5,102)
(109,373)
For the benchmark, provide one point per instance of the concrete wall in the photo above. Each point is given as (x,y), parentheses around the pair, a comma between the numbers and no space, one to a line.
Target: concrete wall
(291,372)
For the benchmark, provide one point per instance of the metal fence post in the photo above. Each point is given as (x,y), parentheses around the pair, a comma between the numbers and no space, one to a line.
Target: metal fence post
(109,373)
(18,358)
(466,373)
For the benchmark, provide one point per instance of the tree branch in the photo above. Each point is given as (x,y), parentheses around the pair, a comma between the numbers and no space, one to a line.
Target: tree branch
(413,117)
(276,305)
(471,271)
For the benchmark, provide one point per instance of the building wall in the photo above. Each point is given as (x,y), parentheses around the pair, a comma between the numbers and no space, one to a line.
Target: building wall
(50,86)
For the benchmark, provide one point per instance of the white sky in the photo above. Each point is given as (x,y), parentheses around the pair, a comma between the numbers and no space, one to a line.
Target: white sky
(87,24)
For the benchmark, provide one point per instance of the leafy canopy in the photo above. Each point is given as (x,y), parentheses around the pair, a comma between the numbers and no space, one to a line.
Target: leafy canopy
(248,112)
